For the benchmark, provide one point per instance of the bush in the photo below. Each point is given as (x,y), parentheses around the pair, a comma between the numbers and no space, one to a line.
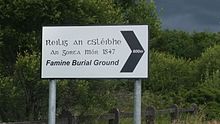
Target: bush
(11,102)
(144,13)
(33,90)
(209,62)
(208,94)
(183,44)
(85,96)
(169,74)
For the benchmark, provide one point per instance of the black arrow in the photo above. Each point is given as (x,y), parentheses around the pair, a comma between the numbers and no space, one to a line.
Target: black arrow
(136,51)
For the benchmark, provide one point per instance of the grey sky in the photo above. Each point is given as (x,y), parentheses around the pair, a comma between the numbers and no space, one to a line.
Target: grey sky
(190,15)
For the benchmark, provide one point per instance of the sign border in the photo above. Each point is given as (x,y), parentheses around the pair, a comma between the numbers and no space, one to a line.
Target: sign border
(64,25)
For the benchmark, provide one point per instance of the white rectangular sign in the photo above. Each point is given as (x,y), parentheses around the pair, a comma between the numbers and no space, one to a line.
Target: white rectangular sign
(119,51)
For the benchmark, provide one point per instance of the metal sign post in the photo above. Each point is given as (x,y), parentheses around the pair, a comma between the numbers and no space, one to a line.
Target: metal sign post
(137,101)
(52,102)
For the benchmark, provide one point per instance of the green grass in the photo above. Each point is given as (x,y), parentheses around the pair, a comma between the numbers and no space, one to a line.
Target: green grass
(164,119)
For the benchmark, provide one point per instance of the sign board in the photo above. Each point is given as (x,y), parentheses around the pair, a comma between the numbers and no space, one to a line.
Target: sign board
(119,51)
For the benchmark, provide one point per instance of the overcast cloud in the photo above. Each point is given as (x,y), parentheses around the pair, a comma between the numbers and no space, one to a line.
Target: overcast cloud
(190,15)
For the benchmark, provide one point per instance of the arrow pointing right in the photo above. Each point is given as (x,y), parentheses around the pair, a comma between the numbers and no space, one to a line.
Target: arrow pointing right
(136,51)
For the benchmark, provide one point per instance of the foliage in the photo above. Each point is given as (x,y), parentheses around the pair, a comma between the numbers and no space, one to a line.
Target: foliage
(157,100)
(14,42)
(20,43)
(11,101)
(8,50)
(209,62)
(85,96)
(144,13)
(182,70)
(184,44)
(176,80)
(30,15)
(1,46)
(169,74)
(33,90)
(208,94)
(204,40)
(178,43)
